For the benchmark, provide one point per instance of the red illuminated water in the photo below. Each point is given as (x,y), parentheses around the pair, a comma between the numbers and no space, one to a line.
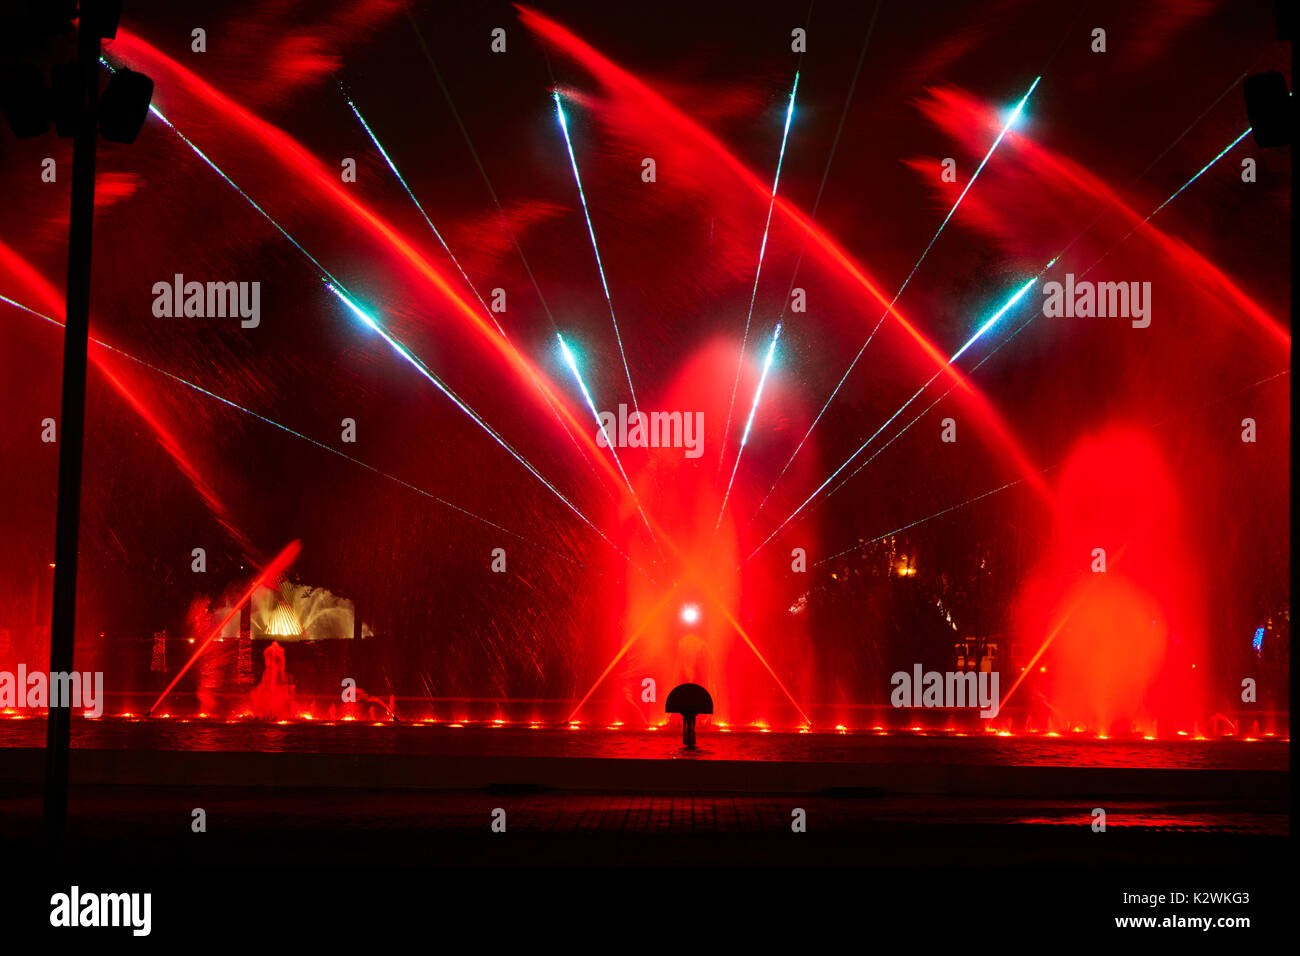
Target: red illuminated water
(515,741)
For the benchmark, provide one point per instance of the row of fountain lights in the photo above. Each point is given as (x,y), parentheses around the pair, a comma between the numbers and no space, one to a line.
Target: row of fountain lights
(756,727)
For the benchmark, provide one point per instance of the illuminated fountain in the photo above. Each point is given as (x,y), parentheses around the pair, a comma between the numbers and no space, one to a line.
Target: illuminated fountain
(1115,610)
(670,591)
(272,698)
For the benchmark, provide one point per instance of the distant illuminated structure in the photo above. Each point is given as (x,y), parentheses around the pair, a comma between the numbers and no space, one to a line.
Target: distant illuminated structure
(977,654)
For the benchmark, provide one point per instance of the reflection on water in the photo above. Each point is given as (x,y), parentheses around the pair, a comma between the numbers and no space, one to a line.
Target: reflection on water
(894,748)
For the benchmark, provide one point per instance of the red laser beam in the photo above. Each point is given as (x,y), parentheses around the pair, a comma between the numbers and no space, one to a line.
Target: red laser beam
(713,596)
(269,573)
(627,645)
(721,606)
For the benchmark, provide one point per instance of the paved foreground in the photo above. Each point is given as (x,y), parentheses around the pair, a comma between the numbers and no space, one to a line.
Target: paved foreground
(293,827)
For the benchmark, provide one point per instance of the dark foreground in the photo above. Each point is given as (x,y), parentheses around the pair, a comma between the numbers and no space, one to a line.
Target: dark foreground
(905,834)
(149,826)
(365,865)
(415,796)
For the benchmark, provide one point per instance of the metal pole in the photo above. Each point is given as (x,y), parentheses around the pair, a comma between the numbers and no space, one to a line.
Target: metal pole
(72,423)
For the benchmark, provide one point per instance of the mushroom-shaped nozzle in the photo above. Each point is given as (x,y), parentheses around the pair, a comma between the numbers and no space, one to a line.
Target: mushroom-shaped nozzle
(689,700)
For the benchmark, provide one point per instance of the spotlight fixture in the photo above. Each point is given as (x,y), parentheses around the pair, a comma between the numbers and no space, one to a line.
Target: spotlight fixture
(124,106)
(1269,108)
(29,104)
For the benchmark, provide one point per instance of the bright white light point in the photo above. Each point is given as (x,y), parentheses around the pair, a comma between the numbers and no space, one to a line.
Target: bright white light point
(1012,117)
(568,355)
(690,613)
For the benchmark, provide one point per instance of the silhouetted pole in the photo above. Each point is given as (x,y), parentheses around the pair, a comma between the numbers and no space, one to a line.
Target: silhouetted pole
(72,426)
